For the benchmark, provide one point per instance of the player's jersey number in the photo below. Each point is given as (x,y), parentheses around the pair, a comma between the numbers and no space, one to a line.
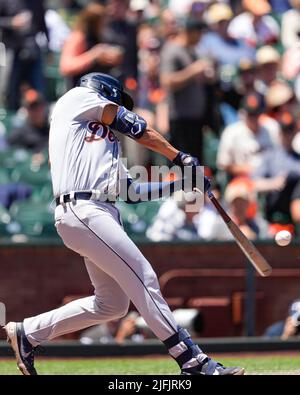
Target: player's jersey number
(96,131)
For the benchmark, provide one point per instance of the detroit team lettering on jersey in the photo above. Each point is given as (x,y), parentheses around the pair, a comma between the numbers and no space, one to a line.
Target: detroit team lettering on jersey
(84,153)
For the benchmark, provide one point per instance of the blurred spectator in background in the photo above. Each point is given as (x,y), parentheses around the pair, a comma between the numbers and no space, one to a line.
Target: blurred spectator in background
(236,89)
(58,30)
(149,91)
(150,97)
(291,41)
(291,65)
(169,27)
(227,54)
(190,318)
(22,22)
(233,92)
(218,44)
(134,328)
(116,331)
(267,63)
(145,11)
(240,200)
(181,8)
(290,30)
(280,99)
(175,220)
(246,77)
(69,10)
(86,49)
(243,143)
(279,176)
(139,10)
(280,6)
(183,76)
(122,32)
(254,26)
(289,327)
(33,132)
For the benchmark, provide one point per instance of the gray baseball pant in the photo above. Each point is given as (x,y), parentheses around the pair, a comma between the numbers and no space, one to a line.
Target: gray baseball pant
(117,269)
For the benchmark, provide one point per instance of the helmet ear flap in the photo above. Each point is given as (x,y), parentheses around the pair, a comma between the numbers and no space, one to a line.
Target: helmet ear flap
(105,91)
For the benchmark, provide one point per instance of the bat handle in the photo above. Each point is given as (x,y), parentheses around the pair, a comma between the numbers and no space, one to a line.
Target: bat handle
(210,194)
(218,206)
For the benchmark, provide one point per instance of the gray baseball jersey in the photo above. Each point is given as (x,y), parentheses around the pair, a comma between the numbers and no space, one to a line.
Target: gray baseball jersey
(84,154)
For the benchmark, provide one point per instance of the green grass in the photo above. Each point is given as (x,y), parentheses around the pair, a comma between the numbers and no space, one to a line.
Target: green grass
(143,366)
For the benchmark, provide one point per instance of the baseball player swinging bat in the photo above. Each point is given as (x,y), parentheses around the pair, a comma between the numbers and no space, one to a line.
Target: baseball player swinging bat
(88,176)
(253,255)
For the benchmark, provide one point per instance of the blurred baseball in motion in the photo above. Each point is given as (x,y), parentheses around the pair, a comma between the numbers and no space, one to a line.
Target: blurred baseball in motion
(283,238)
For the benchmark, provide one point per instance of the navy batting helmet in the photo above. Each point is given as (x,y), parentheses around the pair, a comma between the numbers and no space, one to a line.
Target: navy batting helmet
(109,87)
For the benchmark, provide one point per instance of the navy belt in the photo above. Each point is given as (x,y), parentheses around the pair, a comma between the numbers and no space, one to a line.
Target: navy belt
(86,195)
(77,196)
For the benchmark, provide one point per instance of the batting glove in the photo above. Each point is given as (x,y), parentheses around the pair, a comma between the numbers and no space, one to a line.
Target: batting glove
(183,159)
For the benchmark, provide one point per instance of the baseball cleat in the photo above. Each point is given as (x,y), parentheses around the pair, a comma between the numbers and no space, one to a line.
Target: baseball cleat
(23,350)
(212,368)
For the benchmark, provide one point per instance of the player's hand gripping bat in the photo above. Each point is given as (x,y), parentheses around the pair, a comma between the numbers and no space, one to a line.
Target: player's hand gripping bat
(253,255)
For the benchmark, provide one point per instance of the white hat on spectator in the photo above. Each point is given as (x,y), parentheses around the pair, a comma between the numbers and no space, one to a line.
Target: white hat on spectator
(278,94)
(138,5)
(266,55)
(218,12)
(182,7)
(236,191)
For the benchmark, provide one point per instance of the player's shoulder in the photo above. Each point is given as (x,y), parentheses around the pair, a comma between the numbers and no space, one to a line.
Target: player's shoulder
(78,92)
(79,99)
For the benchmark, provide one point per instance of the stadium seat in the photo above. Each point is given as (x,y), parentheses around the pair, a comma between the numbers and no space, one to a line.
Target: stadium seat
(4,176)
(34,219)
(148,210)
(11,158)
(130,219)
(43,194)
(35,176)
(7,117)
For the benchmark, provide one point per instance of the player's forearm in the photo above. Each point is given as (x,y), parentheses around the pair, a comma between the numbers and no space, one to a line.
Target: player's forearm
(144,192)
(156,142)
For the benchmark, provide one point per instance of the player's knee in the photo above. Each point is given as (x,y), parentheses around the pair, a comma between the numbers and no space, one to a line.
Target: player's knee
(121,309)
(113,308)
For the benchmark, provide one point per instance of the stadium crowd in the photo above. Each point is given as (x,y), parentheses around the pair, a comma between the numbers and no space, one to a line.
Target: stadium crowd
(220,79)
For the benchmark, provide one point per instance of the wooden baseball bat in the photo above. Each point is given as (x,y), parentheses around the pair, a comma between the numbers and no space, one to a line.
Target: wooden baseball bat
(254,256)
